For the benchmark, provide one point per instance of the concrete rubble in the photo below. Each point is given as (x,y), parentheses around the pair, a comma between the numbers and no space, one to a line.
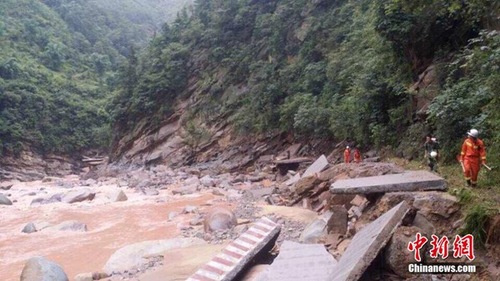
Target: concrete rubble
(407,181)
(289,265)
(367,243)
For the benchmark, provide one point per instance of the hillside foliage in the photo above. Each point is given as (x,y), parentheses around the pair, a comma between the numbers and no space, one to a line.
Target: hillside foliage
(59,64)
(323,69)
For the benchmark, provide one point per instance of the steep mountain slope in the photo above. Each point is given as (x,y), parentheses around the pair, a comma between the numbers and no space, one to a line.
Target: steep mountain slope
(59,65)
(72,46)
(359,70)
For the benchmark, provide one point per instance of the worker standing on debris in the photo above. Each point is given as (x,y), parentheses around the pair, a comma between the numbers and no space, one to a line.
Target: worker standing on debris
(347,154)
(357,155)
(473,155)
(431,147)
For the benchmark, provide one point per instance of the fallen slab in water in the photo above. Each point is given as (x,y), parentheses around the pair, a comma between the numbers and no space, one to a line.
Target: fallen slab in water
(367,243)
(228,264)
(407,181)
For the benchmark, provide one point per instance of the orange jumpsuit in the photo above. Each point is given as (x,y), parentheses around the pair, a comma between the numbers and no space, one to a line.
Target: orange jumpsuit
(347,155)
(357,156)
(473,154)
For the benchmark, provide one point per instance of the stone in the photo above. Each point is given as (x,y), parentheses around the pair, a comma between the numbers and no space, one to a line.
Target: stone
(185,190)
(219,218)
(6,186)
(89,182)
(4,200)
(355,211)
(338,221)
(207,181)
(359,201)
(256,178)
(197,220)
(189,209)
(424,224)
(150,191)
(117,195)
(297,261)
(407,181)
(397,255)
(41,269)
(367,243)
(84,277)
(78,196)
(29,228)
(305,184)
(225,266)
(293,179)
(316,229)
(260,192)
(438,203)
(316,167)
(135,255)
(46,200)
(71,225)
(341,199)
(172,215)
(192,181)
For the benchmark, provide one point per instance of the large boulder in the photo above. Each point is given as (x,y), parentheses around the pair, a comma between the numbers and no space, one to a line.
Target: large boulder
(78,196)
(397,256)
(41,269)
(6,186)
(429,203)
(29,228)
(207,181)
(4,200)
(71,225)
(219,219)
(136,255)
(117,195)
(316,229)
(46,200)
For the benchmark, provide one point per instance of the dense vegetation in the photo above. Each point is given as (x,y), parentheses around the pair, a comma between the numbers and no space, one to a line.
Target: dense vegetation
(59,64)
(334,69)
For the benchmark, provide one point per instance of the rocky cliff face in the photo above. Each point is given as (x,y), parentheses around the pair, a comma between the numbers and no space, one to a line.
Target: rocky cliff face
(34,166)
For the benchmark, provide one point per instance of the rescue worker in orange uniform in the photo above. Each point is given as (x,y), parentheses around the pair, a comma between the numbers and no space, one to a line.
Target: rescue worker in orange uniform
(473,155)
(347,154)
(357,155)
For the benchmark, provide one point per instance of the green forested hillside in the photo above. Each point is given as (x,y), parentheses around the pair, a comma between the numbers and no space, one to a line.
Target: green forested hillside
(325,69)
(59,61)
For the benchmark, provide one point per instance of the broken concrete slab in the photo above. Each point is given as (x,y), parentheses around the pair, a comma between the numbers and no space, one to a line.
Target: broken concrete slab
(316,229)
(367,243)
(293,179)
(291,261)
(316,167)
(407,181)
(228,264)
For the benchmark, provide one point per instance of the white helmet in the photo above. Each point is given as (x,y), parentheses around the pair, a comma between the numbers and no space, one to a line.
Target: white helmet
(347,147)
(434,154)
(473,133)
